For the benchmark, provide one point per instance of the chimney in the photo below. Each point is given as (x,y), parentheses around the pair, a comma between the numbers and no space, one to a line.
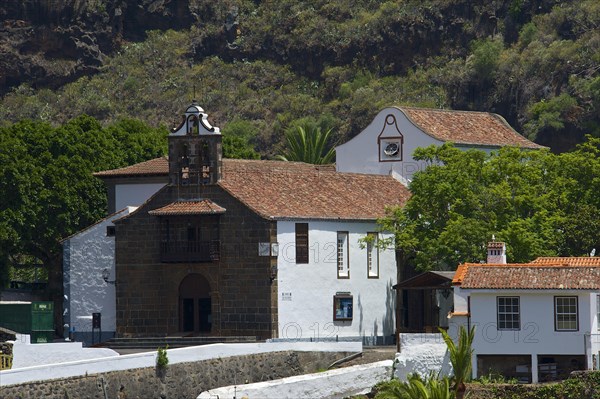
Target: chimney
(496,252)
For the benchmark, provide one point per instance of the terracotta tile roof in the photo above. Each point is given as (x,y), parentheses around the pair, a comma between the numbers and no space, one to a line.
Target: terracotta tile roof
(467,127)
(292,190)
(153,167)
(192,207)
(570,261)
(295,190)
(566,273)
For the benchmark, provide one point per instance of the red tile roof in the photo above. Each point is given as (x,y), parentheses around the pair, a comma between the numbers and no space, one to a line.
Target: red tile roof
(570,261)
(153,167)
(192,207)
(467,127)
(567,273)
(295,190)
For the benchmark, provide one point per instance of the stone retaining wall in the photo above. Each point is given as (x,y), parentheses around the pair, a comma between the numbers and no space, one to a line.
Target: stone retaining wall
(183,380)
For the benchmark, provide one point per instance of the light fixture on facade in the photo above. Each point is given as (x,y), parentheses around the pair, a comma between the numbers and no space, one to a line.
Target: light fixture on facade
(105,275)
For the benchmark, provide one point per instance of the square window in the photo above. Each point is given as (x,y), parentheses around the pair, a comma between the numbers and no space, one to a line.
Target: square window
(342,307)
(110,231)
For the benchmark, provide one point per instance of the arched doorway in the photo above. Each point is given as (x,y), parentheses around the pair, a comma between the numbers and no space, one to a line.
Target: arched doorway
(195,307)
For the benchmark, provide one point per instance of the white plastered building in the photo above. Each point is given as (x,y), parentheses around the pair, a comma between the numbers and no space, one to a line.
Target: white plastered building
(534,322)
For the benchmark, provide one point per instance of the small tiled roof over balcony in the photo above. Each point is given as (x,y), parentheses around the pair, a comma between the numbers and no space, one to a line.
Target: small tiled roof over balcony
(191,207)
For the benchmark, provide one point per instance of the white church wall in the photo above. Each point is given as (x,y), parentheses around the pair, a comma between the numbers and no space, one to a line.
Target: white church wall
(86,255)
(361,154)
(306,291)
(134,194)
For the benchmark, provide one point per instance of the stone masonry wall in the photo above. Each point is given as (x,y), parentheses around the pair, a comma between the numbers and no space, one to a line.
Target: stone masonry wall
(242,293)
(182,380)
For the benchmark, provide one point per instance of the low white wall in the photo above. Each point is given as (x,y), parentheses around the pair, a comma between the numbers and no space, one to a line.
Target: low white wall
(336,383)
(148,359)
(422,354)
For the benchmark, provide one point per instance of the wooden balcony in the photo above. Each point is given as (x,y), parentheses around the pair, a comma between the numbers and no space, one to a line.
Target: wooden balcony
(190,251)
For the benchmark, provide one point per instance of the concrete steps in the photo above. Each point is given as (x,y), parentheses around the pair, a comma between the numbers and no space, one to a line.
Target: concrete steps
(173,342)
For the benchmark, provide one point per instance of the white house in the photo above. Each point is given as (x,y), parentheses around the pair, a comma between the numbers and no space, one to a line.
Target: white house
(387,145)
(87,255)
(535,321)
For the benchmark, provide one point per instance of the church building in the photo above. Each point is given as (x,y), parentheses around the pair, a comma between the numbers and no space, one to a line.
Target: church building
(269,249)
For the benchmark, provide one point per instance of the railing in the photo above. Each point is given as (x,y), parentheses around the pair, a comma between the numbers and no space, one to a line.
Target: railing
(6,362)
(190,251)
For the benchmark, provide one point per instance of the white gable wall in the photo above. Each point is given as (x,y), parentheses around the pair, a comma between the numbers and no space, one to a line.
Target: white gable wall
(306,291)
(134,194)
(361,153)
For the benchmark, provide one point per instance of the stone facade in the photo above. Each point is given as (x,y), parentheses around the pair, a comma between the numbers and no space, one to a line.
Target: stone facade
(183,380)
(243,297)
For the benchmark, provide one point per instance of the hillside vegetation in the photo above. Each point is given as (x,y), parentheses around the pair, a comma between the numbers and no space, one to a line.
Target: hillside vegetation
(264,64)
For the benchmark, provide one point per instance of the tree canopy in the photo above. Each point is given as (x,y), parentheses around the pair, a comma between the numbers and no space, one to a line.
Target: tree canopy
(47,184)
(539,203)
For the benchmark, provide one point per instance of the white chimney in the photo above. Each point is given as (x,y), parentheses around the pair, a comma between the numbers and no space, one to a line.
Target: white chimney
(496,252)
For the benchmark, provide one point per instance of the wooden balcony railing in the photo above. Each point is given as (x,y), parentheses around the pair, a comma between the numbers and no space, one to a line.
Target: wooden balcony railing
(174,251)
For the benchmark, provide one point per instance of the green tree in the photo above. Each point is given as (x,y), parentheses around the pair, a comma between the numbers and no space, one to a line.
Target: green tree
(308,144)
(48,189)
(533,200)
(237,136)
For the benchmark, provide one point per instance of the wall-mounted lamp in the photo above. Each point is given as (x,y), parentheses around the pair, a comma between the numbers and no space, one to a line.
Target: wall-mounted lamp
(105,275)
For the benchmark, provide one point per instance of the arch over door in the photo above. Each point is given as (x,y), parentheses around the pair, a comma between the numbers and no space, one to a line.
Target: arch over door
(195,305)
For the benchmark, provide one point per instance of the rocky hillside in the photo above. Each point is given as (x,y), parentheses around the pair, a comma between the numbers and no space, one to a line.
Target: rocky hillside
(49,43)
(268,63)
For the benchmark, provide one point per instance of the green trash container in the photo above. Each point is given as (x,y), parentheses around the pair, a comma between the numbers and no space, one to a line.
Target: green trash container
(42,322)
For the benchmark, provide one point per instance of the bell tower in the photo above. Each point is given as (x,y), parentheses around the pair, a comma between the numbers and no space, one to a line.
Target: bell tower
(195,150)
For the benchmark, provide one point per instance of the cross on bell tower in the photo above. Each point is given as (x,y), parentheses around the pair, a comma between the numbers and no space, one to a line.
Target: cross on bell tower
(195,150)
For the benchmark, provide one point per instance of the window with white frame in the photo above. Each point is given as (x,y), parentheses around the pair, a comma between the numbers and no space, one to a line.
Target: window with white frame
(343,265)
(372,255)
(565,313)
(509,313)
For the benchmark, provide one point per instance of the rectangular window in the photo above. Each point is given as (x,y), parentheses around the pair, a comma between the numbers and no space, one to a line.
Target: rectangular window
(301,242)
(565,313)
(110,231)
(509,313)
(342,307)
(343,265)
(372,256)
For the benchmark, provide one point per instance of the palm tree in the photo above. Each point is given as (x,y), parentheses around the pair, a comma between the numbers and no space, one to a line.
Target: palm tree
(416,388)
(308,144)
(460,357)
